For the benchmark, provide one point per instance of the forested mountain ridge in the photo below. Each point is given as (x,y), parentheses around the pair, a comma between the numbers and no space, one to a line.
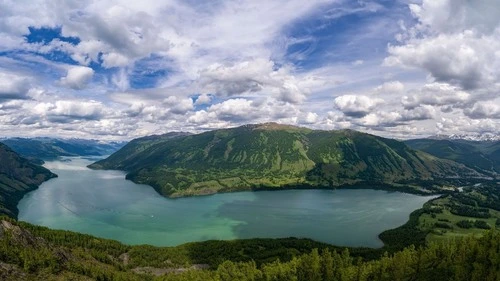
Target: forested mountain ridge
(29,252)
(481,155)
(18,176)
(51,148)
(274,156)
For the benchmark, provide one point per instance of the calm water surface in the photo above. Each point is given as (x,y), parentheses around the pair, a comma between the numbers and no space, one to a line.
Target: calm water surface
(104,204)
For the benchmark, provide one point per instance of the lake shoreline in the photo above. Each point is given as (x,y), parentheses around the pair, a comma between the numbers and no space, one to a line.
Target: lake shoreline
(228,215)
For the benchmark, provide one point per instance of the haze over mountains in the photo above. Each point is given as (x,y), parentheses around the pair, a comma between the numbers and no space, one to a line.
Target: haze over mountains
(480,155)
(51,148)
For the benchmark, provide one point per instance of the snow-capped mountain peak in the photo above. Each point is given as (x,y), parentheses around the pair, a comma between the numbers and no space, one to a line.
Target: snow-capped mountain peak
(469,137)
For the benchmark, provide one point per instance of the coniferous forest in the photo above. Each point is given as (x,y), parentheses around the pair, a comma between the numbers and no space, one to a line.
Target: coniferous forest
(29,252)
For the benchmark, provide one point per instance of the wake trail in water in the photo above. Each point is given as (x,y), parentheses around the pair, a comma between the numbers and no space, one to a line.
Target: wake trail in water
(68,209)
(108,210)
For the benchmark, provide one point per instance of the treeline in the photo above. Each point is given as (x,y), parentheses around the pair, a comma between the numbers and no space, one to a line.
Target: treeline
(468,259)
(467,211)
(43,254)
(485,195)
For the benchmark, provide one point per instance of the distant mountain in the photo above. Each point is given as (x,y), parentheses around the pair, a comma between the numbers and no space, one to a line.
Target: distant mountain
(51,148)
(480,155)
(468,137)
(273,156)
(17,177)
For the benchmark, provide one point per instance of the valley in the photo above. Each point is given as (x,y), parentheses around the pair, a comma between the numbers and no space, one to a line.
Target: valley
(343,196)
(104,204)
(271,156)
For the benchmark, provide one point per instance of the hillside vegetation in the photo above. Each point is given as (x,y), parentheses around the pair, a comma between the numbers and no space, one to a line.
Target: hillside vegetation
(18,176)
(480,155)
(29,252)
(273,156)
(50,148)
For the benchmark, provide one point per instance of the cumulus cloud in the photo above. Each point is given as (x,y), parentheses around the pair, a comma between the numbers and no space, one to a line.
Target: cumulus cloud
(394,118)
(436,94)
(464,125)
(395,87)
(66,111)
(255,76)
(466,59)
(203,99)
(77,77)
(180,65)
(310,118)
(13,86)
(114,60)
(482,110)
(178,105)
(234,110)
(449,16)
(457,42)
(356,105)
(241,111)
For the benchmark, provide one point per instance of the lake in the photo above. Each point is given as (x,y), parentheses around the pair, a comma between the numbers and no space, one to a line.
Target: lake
(104,204)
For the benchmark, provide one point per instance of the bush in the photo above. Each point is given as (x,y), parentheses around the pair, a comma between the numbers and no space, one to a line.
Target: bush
(481,224)
(465,224)
(443,225)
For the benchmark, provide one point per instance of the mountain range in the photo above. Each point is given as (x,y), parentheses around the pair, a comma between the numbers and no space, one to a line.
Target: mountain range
(17,177)
(274,156)
(51,148)
(480,155)
(469,137)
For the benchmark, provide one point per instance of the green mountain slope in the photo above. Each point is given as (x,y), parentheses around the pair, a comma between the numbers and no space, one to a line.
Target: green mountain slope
(17,177)
(275,156)
(49,148)
(480,155)
(29,252)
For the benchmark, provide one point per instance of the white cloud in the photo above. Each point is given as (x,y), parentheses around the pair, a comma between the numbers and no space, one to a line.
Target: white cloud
(480,110)
(438,94)
(358,62)
(13,86)
(395,87)
(457,42)
(464,125)
(178,105)
(77,77)
(450,16)
(120,80)
(383,119)
(234,110)
(77,109)
(225,63)
(356,105)
(253,77)
(310,118)
(467,59)
(114,60)
(203,99)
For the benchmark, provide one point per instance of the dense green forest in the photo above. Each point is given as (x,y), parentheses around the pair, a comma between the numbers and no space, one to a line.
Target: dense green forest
(29,252)
(480,155)
(51,148)
(18,176)
(273,156)
(434,244)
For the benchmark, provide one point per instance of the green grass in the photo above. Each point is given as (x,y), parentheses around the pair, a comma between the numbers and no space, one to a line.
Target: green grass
(272,156)
(427,222)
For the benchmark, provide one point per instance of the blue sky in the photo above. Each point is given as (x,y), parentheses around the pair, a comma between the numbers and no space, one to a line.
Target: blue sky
(118,70)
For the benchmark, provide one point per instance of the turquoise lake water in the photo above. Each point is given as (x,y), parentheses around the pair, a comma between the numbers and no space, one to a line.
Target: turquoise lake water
(104,204)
